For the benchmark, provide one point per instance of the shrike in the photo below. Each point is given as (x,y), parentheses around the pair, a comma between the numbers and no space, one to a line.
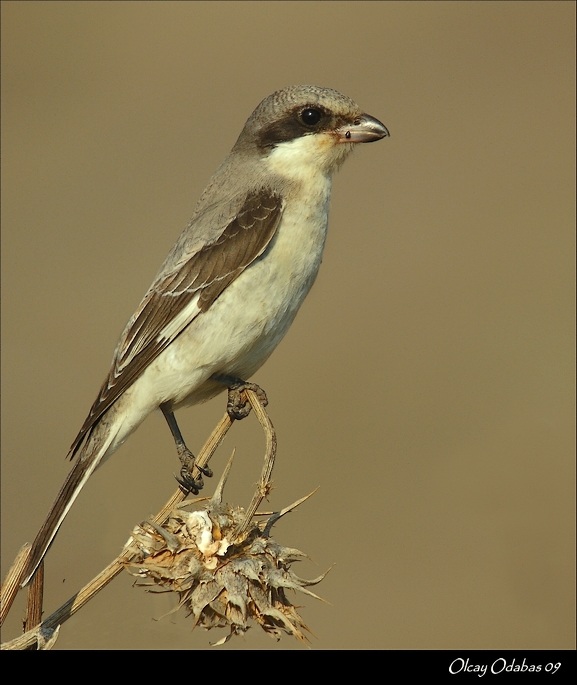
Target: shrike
(231,285)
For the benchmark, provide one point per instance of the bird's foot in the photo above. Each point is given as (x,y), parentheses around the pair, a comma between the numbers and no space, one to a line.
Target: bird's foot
(238,406)
(187,481)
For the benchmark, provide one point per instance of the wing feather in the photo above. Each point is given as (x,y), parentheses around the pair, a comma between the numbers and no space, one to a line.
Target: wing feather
(168,307)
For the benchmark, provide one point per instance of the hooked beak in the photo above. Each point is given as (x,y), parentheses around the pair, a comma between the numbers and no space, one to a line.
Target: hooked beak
(364,129)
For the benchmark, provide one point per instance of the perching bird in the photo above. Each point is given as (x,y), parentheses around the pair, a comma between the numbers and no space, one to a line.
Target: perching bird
(231,285)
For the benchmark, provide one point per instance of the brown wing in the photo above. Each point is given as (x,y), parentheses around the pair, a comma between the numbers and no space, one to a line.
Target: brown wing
(204,276)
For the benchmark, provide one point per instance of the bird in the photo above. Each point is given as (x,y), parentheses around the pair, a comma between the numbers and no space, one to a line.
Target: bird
(230,286)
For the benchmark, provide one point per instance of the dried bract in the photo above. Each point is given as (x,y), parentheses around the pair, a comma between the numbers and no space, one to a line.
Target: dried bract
(222,581)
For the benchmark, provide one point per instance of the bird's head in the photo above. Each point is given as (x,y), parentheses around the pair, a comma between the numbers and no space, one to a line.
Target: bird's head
(305,127)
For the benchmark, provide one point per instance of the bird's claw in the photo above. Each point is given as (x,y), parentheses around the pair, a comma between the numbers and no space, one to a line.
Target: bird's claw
(188,484)
(187,481)
(238,406)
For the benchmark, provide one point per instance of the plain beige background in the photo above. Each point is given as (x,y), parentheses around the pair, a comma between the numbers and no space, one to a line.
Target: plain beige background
(427,385)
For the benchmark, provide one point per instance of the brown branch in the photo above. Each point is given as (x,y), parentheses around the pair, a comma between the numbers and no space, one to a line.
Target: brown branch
(270,454)
(11,585)
(43,634)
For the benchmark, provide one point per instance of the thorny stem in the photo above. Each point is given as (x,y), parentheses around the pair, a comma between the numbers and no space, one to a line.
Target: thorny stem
(45,633)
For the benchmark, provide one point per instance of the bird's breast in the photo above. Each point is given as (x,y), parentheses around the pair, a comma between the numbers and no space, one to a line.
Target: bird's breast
(246,322)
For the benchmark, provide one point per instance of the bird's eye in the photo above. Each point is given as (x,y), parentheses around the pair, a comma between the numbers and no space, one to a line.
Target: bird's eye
(310,116)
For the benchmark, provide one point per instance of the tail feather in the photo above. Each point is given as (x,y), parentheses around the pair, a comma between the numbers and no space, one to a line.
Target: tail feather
(81,471)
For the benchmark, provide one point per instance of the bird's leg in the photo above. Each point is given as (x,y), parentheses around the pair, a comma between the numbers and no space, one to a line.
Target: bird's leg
(237,405)
(186,481)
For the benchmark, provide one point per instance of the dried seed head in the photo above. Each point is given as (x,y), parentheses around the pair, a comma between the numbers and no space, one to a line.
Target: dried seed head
(222,581)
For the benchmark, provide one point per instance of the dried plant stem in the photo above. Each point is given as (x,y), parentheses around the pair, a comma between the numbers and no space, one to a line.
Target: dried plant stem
(270,454)
(44,633)
(11,585)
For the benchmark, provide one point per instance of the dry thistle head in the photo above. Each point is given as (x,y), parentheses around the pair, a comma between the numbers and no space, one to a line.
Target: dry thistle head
(224,578)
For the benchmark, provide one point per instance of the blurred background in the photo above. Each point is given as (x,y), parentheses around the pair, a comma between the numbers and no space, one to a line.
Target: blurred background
(427,385)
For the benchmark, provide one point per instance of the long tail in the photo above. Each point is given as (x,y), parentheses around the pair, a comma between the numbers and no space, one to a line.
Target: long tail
(90,457)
